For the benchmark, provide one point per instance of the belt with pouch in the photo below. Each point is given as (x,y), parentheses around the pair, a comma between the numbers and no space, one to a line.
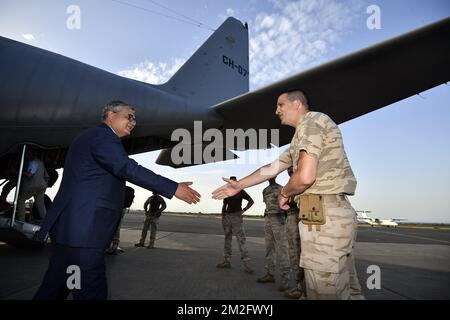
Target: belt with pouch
(311,208)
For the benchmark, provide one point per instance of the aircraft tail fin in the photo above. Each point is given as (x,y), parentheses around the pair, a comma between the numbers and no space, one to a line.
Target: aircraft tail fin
(218,70)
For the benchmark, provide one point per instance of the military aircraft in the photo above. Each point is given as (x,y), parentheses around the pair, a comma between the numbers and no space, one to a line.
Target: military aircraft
(365,219)
(51,98)
(48,98)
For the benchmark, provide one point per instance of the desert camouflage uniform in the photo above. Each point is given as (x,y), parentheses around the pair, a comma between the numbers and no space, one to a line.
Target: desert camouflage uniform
(326,253)
(275,233)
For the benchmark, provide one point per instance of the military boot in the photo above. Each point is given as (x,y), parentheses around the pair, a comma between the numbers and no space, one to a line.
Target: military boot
(151,245)
(247,267)
(224,264)
(140,244)
(295,293)
(268,278)
(284,283)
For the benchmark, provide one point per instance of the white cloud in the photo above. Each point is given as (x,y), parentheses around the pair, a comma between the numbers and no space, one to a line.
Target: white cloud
(153,72)
(297,35)
(230,12)
(267,22)
(292,37)
(28,36)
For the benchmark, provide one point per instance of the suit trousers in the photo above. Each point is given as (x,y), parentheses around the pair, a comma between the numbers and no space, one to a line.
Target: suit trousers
(59,279)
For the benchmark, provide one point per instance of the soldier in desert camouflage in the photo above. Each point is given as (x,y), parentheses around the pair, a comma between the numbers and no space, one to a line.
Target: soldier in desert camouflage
(321,182)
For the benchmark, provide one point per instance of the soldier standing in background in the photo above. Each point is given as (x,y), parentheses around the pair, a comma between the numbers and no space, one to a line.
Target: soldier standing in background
(293,235)
(153,207)
(275,237)
(232,224)
(128,201)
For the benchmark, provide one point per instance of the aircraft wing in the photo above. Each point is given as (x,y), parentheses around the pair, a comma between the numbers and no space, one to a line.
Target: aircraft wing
(353,85)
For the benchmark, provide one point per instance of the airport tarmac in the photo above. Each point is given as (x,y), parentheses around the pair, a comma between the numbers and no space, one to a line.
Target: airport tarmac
(414,263)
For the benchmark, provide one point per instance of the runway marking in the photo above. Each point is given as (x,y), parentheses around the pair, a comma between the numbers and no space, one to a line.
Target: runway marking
(410,236)
(167,235)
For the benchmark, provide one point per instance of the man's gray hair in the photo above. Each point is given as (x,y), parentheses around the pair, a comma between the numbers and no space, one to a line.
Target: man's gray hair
(298,95)
(114,106)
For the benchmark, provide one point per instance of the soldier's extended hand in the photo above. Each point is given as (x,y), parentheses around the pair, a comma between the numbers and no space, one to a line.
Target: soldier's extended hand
(227,190)
(186,193)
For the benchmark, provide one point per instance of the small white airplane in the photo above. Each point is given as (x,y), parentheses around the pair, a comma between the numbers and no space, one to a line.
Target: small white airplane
(363,218)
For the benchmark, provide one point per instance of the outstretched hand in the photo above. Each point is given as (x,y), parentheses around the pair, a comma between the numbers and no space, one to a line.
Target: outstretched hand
(186,193)
(228,190)
(284,202)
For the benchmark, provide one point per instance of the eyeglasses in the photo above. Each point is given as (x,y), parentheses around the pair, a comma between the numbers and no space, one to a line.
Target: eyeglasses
(131,117)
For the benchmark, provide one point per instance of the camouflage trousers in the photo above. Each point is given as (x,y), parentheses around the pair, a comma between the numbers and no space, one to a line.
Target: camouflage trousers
(275,235)
(116,239)
(293,238)
(232,224)
(326,254)
(151,222)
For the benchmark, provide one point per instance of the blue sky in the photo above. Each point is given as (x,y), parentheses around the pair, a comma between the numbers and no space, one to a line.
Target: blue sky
(399,153)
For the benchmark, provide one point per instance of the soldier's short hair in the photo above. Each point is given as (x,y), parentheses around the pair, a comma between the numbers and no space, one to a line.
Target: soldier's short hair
(233,178)
(298,95)
(114,106)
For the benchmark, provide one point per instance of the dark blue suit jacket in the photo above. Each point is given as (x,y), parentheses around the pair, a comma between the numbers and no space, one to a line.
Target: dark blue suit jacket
(86,211)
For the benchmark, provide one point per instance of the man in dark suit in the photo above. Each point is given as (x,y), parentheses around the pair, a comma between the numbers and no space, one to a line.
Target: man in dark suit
(87,209)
